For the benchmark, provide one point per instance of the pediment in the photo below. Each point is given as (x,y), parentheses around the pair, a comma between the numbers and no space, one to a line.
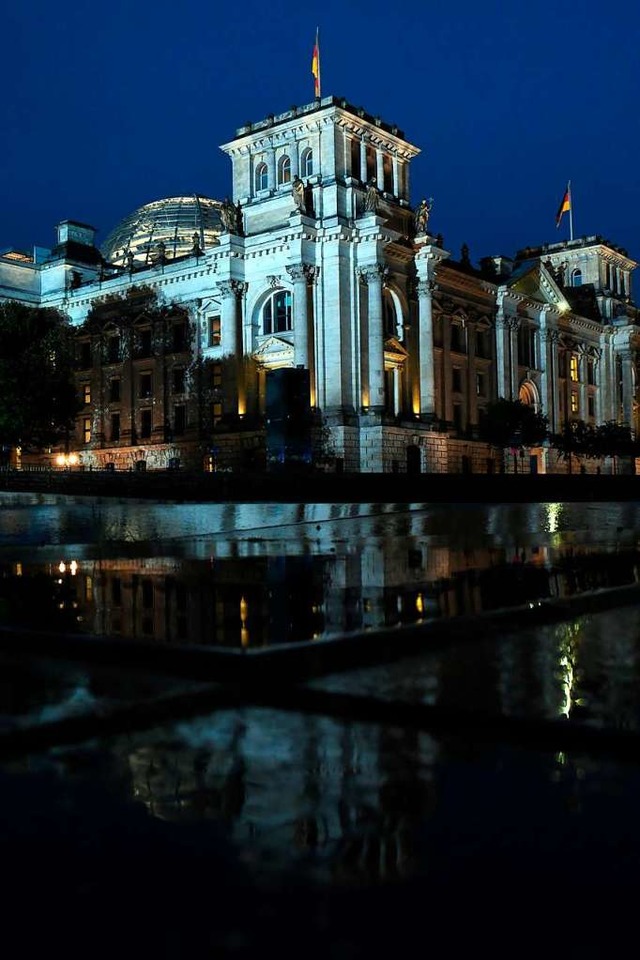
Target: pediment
(274,351)
(394,352)
(535,282)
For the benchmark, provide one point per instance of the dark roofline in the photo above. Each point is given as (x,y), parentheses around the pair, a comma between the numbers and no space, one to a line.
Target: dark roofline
(546,248)
(273,120)
(77,223)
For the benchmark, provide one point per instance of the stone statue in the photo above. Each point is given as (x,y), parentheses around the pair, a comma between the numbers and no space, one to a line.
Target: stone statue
(129,261)
(239,220)
(371,196)
(228,216)
(161,251)
(298,194)
(421,216)
(196,248)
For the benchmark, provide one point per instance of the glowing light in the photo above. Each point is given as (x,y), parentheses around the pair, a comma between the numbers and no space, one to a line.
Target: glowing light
(62,566)
(73,567)
(554,512)
(420,603)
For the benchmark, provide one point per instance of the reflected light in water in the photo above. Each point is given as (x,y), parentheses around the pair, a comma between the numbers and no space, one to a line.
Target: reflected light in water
(553,513)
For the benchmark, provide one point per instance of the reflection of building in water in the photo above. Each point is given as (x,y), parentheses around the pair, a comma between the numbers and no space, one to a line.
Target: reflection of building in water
(349,795)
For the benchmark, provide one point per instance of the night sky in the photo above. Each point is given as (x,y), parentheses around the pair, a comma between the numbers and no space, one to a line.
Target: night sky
(109,106)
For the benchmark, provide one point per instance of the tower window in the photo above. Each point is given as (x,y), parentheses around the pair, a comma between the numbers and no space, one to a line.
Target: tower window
(306,162)
(284,170)
(276,313)
(262,177)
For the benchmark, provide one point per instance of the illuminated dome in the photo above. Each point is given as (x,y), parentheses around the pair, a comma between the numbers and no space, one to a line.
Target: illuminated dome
(173,221)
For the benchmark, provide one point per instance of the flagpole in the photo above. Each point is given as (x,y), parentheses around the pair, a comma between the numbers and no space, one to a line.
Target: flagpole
(570,212)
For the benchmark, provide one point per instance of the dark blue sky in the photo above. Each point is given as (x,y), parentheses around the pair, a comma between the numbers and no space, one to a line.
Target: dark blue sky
(109,106)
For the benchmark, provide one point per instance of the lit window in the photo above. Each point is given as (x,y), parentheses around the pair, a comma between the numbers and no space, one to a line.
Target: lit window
(217,413)
(276,313)
(87,393)
(215,332)
(284,170)
(306,162)
(262,177)
(575,404)
(574,368)
(86,429)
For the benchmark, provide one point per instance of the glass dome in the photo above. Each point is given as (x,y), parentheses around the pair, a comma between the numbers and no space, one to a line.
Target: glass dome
(173,222)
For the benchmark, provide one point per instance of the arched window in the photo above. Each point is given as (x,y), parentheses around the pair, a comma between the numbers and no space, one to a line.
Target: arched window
(284,170)
(576,278)
(276,313)
(262,177)
(390,320)
(306,162)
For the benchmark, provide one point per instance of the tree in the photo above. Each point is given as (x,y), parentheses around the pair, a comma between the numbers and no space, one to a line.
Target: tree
(38,398)
(576,439)
(613,439)
(512,424)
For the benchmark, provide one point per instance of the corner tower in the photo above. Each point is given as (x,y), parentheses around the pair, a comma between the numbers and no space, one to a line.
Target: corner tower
(335,150)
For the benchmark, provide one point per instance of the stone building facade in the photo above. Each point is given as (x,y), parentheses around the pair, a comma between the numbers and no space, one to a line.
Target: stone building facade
(318,261)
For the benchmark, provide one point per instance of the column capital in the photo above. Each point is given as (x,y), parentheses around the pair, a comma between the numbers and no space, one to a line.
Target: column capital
(371,274)
(425,288)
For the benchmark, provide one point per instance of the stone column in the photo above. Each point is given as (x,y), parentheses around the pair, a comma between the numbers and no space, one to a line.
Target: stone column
(472,384)
(271,167)
(363,161)
(372,277)
(626,358)
(514,325)
(228,317)
(549,379)
(396,176)
(380,168)
(425,349)
(298,274)
(503,352)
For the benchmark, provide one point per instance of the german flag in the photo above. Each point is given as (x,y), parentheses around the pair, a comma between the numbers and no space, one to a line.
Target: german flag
(315,66)
(565,204)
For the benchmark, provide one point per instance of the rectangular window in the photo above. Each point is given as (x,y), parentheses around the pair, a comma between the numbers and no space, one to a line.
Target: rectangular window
(116,592)
(145,387)
(115,426)
(86,429)
(144,343)
(481,384)
(179,337)
(575,402)
(574,368)
(457,338)
(85,355)
(180,419)
(113,350)
(114,390)
(457,417)
(482,344)
(591,406)
(217,413)
(178,380)
(355,159)
(456,380)
(591,373)
(147,594)
(216,376)
(145,424)
(215,331)
(86,393)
